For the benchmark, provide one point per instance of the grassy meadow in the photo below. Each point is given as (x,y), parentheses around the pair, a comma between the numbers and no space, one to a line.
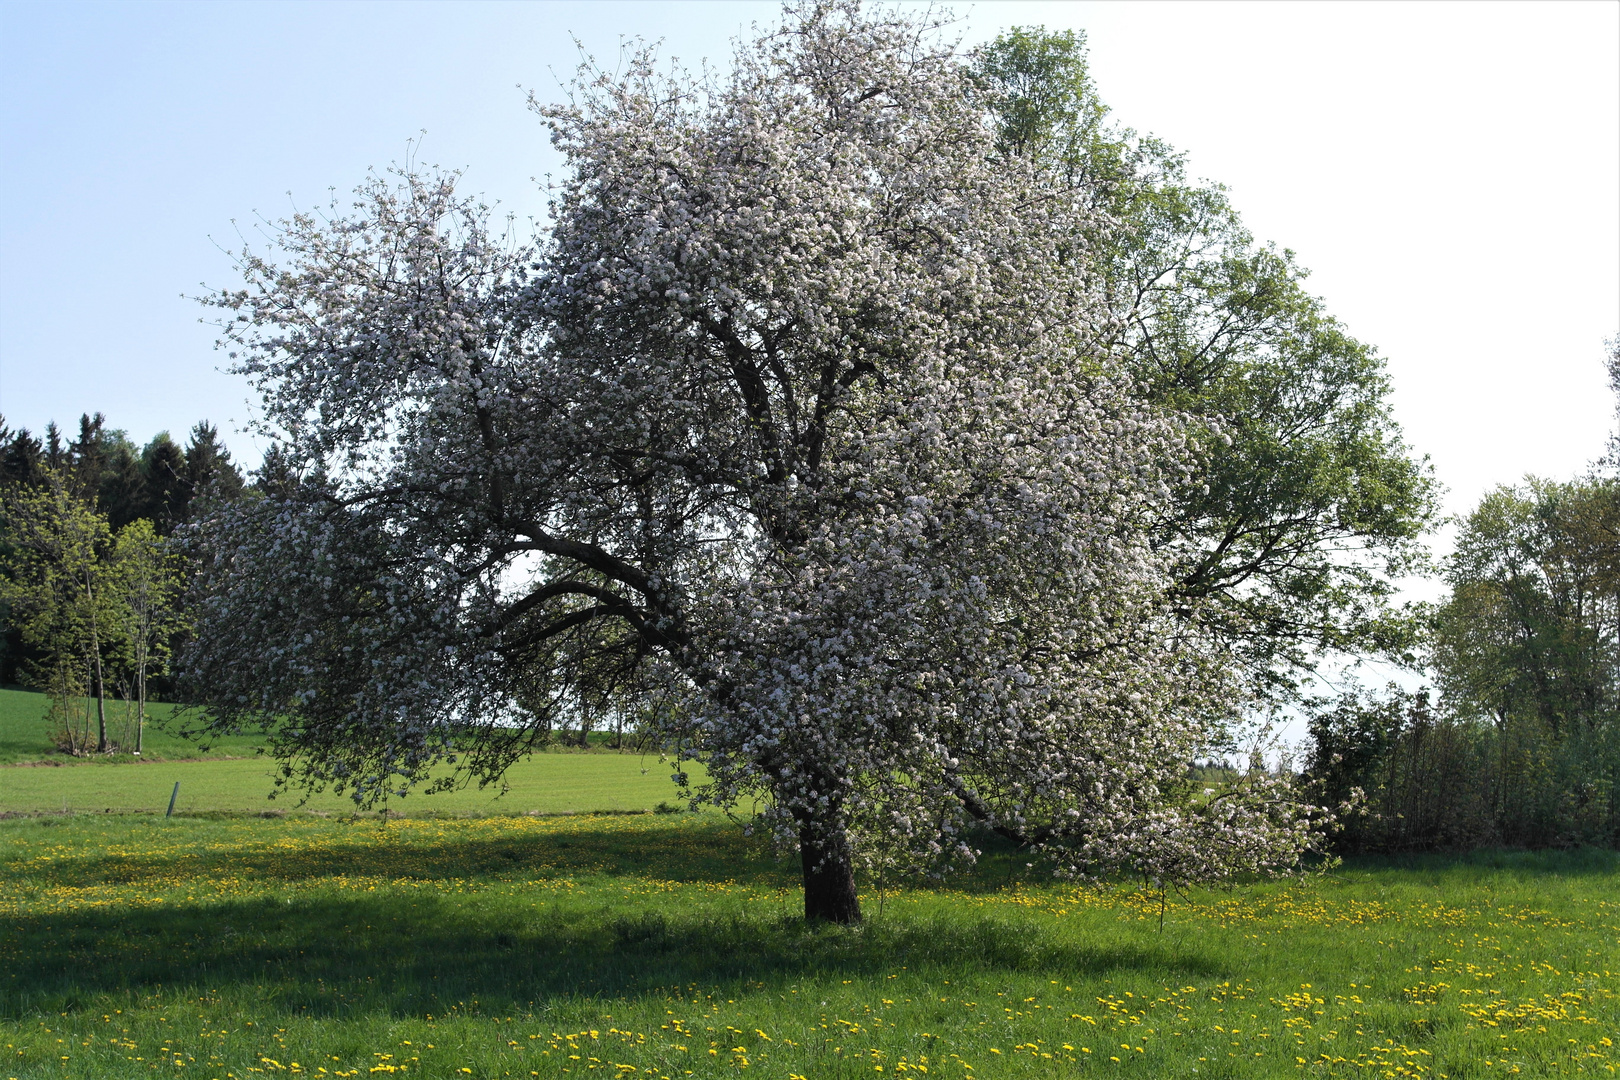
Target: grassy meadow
(544,783)
(231,776)
(668,946)
(222,944)
(25,734)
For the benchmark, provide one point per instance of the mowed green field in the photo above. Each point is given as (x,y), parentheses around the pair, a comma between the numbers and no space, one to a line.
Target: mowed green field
(231,777)
(25,734)
(544,783)
(669,946)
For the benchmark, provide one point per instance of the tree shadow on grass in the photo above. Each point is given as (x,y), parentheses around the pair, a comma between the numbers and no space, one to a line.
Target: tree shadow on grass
(697,850)
(414,955)
(658,908)
(690,849)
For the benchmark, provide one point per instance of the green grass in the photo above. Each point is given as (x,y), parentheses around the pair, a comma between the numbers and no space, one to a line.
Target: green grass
(25,735)
(233,777)
(669,946)
(544,783)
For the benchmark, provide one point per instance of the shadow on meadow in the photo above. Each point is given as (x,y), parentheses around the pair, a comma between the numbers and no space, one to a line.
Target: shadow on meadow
(623,907)
(644,847)
(415,955)
(1493,865)
(686,851)
(619,908)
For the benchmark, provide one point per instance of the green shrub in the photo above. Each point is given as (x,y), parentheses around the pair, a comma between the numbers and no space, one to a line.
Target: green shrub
(1437,783)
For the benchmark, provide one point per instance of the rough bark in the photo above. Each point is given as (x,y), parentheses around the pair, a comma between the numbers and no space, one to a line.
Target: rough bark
(829,881)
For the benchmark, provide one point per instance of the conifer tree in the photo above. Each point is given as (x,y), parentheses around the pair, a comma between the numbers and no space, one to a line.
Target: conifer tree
(208,465)
(56,455)
(21,455)
(123,487)
(167,488)
(88,456)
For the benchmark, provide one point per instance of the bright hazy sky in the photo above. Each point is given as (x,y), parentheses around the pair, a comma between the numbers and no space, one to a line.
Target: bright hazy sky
(1450,172)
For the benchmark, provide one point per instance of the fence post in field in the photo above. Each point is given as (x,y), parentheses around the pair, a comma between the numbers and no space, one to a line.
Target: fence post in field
(175,794)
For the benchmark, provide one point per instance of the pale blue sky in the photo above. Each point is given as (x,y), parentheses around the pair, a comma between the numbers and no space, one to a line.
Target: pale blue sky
(1451,172)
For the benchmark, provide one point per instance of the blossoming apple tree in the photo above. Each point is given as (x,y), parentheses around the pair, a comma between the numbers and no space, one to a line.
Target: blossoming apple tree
(789,435)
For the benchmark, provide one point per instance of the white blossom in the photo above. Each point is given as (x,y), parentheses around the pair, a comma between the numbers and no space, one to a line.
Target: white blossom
(788,436)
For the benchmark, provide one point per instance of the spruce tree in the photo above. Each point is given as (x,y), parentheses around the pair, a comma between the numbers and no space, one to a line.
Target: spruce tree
(123,487)
(163,470)
(20,456)
(208,465)
(87,457)
(56,455)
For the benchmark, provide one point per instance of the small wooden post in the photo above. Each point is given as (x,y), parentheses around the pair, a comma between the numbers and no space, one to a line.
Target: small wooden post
(173,796)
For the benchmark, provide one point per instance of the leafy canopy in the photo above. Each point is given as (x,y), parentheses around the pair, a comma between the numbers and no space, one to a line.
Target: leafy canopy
(1305,506)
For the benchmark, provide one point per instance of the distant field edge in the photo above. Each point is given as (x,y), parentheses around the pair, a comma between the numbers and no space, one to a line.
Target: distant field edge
(334,815)
(64,761)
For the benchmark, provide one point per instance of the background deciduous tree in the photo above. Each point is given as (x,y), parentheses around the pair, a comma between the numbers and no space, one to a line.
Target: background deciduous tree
(150,580)
(1532,626)
(63,595)
(1306,507)
(1524,652)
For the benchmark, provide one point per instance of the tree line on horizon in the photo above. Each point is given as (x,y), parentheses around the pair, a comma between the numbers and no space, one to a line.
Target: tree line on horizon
(1511,741)
(156,481)
(90,581)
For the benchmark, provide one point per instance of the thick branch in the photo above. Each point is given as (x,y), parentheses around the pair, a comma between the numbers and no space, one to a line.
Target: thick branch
(976,807)
(588,555)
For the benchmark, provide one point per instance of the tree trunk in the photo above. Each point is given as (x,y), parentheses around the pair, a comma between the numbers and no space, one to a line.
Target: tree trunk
(829,881)
(101,703)
(140,705)
(95,651)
